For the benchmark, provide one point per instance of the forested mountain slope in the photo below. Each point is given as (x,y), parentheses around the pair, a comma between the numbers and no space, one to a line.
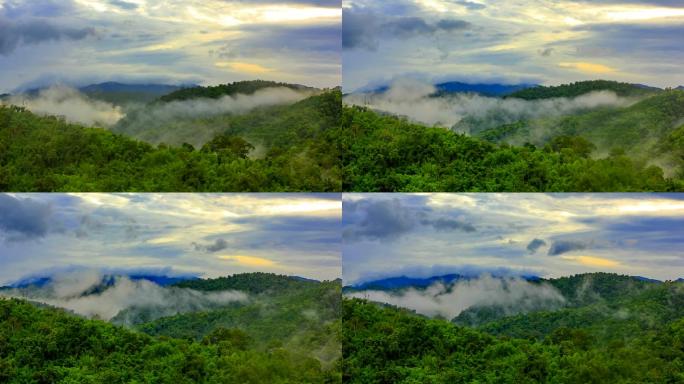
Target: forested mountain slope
(615,329)
(646,130)
(48,154)
(288,331)
(239,87)
(582,87)
(280,125)
(386,153)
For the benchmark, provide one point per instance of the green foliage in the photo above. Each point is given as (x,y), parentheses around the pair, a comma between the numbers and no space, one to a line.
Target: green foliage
(580,88)
(617,329)
(215,92)
(301,315)
(255,282)
(47,154)
(385,153)
(44,345)
(646,130)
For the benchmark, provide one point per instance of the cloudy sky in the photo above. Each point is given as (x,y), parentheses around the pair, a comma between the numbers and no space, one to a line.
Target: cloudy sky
(541,41)
(174,41)
(206,235)
(543,234)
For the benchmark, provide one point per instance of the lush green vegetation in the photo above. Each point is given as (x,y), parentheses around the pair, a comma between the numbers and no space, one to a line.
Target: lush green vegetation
(580,88)
(646,130)
(48,154)
(289,335)
(215,92)
(280,126)
(386,153)
(615,329)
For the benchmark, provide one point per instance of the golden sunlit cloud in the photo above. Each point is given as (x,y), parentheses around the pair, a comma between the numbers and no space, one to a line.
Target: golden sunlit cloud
(288,13)
(302,207)
(249,260)
(653,206)
(587,67)
(592,261)
(243,67)
(644,14)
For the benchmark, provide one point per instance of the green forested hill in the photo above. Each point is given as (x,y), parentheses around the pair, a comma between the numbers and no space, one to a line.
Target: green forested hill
(386,153)
(48,154)
(239,87)
(265,127)
(580,88)
(255,282)
(282,334)
(630,337)
(646,130)
(45,345)
(303,317)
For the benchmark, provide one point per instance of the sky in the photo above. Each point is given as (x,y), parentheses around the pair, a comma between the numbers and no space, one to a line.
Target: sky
(203,42)
(546,42)
(174,234)
(546,235)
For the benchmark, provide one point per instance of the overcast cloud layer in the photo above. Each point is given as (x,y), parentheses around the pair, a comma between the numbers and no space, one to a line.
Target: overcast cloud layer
(197,234)
(548,235)
(529,41)
(173,41)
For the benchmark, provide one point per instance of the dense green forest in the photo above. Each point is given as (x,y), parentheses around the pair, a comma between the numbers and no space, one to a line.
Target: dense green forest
(386,153)
(645,130)
(614,329)
(238,87)
(633,146)
(280,336)
(275,126)
(48,154)
(580,88)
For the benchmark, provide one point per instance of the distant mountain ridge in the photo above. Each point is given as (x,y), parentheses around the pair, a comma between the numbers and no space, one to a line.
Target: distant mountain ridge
(106,281)
(401,282)
(453,87)
(485,89)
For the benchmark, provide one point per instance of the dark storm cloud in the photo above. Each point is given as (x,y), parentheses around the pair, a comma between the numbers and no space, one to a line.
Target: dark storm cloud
(364,27)
(389,219)
(560,247)
(123,4)
(629,40)
(36,8)
(443,224)
(655,233)
(546,52)
(14,35)
(217,245)
(23,218)
(301,224)
(535,244)
(263,40)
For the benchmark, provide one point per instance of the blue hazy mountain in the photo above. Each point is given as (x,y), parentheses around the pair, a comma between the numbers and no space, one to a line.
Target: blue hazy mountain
(480,88)
(484,89)
(112,86)
(401,282)
(107,280)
